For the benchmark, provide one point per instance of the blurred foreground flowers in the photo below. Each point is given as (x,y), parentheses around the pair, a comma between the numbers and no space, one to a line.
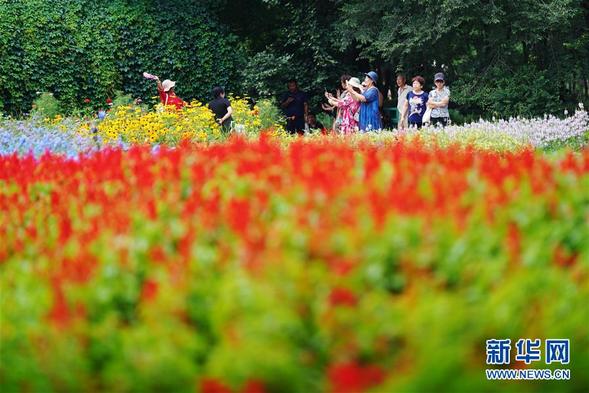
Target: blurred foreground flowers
(316,265)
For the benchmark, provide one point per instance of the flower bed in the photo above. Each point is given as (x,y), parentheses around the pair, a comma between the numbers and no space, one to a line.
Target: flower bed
(538,132)
(35,136)
(132,124)
(128,125)
(253,266)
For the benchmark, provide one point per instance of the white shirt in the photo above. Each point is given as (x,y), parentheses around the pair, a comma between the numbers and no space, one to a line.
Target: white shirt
(402,96)
(437,97)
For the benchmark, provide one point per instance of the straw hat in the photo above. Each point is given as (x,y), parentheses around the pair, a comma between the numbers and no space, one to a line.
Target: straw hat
(168,84)
(355,82)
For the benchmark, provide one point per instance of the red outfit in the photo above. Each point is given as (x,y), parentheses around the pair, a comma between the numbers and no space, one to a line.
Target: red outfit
(171,99)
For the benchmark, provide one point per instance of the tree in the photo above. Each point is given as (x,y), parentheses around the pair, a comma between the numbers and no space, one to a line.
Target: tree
(485,47)
(82,49)
(287,39)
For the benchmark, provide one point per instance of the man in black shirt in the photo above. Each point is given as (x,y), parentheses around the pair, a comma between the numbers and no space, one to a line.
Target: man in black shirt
(295,107)
(221,107)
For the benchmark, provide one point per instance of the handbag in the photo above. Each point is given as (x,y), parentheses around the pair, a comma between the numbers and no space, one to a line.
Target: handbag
(427,115)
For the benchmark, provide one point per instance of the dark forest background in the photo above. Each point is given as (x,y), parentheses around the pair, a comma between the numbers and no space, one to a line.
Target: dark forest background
(501,57)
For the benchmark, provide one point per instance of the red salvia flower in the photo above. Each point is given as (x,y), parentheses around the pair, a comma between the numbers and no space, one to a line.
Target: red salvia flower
(213,385)
(149,290)
(60,312)
(342,297)
(254,386)
(354,378)
(239,215)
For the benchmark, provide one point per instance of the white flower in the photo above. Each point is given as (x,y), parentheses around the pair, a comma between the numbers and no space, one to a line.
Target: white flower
(581,106)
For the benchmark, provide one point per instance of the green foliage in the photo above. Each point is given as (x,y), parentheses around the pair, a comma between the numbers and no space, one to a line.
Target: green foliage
(289,40)
(267,73)
(47,105)
(122,99)
(513,58)
(269,114)
(576,143)
(472,42)
(81,49)
(526,92)
(325,119)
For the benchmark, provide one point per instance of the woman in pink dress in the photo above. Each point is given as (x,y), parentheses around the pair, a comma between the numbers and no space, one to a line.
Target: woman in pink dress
(348,107)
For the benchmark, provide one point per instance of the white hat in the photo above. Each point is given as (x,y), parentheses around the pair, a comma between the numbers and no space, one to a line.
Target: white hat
(168,84)
(355,82)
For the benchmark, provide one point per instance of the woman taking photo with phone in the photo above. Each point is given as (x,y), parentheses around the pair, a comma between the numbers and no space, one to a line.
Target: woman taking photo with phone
(348,107)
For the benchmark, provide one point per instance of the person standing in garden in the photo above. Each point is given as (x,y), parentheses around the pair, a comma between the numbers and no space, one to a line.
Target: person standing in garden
(415,106)
(166,91)
(438,101)
(402,90)
(348,107)
(340,94)
(369,119)
(296,108)
(221,108)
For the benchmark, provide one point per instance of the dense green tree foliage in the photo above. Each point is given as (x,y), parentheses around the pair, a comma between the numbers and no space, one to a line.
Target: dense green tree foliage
(507,57)
(501,57)
(288,39)
(81,49)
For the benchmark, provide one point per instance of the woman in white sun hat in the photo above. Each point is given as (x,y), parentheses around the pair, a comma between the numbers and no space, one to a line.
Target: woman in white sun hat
(166,91)
(349,108)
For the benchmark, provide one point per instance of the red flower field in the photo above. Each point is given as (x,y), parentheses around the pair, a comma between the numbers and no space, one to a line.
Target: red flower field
(251,266)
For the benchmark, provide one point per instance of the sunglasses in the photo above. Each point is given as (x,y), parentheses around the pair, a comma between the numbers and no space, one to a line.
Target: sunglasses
(439,80)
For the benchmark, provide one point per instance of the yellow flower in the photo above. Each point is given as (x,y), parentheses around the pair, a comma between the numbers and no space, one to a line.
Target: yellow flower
(164,125)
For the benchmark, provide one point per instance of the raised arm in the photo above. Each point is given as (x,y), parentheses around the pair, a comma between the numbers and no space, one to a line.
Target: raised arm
(355,95)
(159,84)
(333,101)
(327,107)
